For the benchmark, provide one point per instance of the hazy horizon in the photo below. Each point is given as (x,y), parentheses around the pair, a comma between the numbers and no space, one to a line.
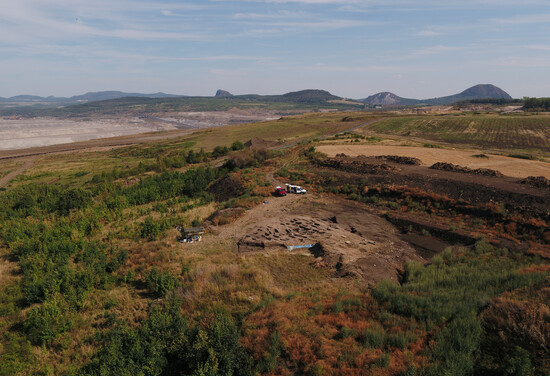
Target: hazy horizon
(213,94)
(351,48)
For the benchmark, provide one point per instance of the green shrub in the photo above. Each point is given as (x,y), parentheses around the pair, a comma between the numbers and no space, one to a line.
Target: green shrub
(522,156)
(455,345)
(337,307)
(453,298)
(346,332)
(159,283)
(399,340)
(150,229)
(384,360)
(16,356)
(519,364)
(237,145)
(373,337)
(45,323)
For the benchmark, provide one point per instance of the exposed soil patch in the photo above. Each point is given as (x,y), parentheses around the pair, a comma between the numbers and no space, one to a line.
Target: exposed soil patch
(358,164)
(407,222)
(465,170)
(259,143)
(519,168)
(224,217)
(536,181)
(227,188)
(289,231)
(427,246)
(349,238)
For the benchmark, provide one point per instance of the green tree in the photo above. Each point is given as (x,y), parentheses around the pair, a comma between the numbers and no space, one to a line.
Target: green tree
(237,145)
(45,323)
(150,229)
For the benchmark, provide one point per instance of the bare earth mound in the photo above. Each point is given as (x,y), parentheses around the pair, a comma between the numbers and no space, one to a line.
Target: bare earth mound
(443,166)
(537,181)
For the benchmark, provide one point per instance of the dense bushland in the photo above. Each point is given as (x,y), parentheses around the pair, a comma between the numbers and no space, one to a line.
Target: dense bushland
(167,344)
(536,104)
(434,323)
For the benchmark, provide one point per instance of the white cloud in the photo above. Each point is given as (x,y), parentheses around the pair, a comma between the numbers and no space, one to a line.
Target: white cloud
(283,14)
(357,69)
(521,62)
(427,33)
(439,49)
(539,47)
(523,19)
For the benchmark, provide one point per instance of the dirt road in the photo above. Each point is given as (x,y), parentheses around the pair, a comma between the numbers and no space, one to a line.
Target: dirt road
(28,162)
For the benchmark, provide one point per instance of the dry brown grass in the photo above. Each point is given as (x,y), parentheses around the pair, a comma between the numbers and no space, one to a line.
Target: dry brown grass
(8,270)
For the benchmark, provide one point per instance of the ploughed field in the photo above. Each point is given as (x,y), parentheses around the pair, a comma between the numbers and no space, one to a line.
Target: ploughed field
(524,132)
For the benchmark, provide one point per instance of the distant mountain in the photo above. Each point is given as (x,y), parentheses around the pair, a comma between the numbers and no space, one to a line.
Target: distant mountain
(223,94)
(88,97)
(126,103)
(25,98)
(309,96)
(388,99)
(106,95)
(484,91)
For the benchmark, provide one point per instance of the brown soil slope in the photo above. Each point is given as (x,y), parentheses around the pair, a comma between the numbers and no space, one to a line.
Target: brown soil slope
(349,239)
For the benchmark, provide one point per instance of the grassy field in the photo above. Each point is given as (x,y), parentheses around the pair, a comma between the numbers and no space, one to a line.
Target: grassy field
(287,130)
(530,133)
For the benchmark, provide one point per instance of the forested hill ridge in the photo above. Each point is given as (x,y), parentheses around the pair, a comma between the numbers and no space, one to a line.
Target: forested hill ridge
(304,96)
(298,101)
(119,103)
(88,97)
(475,92)
(482,91)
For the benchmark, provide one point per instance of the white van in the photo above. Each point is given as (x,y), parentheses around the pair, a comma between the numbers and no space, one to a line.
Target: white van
(295,189)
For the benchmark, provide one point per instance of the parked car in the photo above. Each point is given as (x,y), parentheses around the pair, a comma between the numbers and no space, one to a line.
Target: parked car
(279,191)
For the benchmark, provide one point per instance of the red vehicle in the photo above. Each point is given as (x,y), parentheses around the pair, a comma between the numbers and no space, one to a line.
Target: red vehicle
(279,191)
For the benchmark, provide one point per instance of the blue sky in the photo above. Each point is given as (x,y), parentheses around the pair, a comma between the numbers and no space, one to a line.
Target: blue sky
(353,48)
